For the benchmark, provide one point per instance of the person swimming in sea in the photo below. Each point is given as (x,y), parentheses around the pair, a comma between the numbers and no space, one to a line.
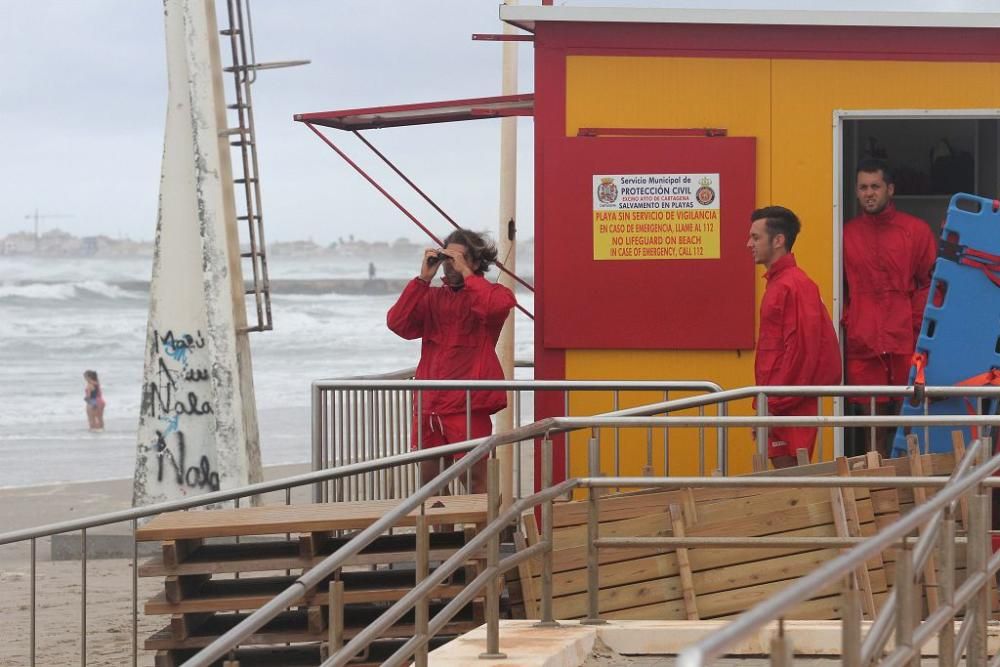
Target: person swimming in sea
(94,398)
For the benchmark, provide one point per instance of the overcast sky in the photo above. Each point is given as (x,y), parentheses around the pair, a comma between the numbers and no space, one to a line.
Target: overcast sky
(83,97)
(83,93)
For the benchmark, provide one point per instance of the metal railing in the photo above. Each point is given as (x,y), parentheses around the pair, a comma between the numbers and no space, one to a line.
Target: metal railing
(485,447)
(937,518)
(631,418)
(366,418)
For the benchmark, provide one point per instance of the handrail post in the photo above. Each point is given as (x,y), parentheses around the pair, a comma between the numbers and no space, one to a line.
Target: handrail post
(317,439)
(976,559)
(593,534)
(762,431)
(907,599)
(782,652)
(946,582)
(421,612)
(492,559)
(850,651)
(722,442)
(547,621)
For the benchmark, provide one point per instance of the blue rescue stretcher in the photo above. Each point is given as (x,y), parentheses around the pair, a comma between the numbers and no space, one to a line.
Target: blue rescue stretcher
(959,341)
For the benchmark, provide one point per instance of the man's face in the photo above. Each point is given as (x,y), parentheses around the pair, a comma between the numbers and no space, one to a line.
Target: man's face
(873,192)
(451,273)
(761,245)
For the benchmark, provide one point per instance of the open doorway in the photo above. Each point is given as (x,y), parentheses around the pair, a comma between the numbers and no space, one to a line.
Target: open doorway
(933,155)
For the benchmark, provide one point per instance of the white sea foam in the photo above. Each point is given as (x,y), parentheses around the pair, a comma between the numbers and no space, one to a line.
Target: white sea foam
(59,317)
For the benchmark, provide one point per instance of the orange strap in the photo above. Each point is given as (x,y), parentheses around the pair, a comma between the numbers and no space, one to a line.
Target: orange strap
(990,377)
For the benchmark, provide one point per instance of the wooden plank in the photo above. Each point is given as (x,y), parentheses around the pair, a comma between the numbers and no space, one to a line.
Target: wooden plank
(861,572)
(684,565)
(529,595)
(280,519)
(848,516)
(282,631)
(919,498)
(311,544)
(276,555)
(635,504)
(958,445)
(253,593)
(176,551)
(184,626)
(177,588)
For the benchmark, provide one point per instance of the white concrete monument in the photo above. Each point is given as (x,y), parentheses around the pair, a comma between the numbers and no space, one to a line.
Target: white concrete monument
(198,424)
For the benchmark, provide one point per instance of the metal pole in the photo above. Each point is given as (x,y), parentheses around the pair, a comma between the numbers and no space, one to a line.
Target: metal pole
(722,442)
(492,558)
(317,439)
(34,611)
(946,582)
(83,598)
(421,612)
(762,430)
(907,598)
(976,559)
(593,534)
(507,247)
(850,650)
(547,619)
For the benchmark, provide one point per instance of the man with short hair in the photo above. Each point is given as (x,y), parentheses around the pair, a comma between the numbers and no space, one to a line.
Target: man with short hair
(888,261)
(797,344)
(459,323)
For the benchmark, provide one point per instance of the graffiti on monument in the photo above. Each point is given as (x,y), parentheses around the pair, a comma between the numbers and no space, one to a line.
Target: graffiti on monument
(176,397)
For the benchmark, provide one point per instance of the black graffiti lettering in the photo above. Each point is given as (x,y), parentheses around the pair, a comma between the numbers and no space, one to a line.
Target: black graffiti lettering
(183,342)
(195,477)
(170,374)
(156,400)
(196,375)
(193,407)
(202,476)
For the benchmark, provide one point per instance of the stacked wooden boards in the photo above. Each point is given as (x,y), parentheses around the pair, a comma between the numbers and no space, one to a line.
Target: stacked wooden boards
(210,585)
(705,583)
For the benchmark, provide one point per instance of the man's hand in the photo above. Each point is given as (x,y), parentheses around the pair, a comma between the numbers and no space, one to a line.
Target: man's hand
(430,265)
(458,262)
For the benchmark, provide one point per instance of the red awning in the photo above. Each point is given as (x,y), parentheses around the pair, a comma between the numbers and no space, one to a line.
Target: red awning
(423,113)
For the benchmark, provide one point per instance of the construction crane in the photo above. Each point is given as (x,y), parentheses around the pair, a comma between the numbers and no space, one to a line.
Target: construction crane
(36,216)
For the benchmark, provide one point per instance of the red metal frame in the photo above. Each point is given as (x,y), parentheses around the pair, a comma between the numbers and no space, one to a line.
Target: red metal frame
(770,41)
(395,202)
(651,132)
(492,37)
(423,113)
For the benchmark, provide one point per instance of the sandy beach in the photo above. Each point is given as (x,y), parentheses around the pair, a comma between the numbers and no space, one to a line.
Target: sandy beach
(58,587)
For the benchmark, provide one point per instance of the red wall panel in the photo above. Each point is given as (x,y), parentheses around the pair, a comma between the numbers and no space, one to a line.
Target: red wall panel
(645,304)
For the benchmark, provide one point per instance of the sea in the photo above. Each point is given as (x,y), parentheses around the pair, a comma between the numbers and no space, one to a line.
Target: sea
(62,316)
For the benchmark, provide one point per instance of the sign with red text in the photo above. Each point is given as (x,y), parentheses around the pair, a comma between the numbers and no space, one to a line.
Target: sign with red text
(656,216)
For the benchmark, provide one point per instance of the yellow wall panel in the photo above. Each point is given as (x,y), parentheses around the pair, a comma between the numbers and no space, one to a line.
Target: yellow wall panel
(788,106)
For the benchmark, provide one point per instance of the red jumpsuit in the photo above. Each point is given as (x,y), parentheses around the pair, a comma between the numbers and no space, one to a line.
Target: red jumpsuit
(797,345)
(459,330)
(888,261)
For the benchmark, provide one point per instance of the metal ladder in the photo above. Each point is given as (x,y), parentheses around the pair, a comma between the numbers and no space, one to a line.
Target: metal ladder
(244,71)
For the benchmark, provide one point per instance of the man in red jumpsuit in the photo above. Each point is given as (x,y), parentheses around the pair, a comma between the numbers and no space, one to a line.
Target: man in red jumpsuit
(888,260)
(797,344)
(459,324)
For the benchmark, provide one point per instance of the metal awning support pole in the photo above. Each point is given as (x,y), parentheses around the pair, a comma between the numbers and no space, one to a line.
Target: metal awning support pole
(385,193)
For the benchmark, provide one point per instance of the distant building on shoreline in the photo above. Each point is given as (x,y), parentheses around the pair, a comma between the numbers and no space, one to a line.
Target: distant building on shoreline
(57,243)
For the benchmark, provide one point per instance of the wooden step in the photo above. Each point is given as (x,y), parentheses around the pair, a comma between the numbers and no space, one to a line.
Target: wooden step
(281,519)
(278,555)
(294,627)
(254,592)
(294,656)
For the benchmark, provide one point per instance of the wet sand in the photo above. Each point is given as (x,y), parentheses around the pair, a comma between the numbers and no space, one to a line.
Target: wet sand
(58,584)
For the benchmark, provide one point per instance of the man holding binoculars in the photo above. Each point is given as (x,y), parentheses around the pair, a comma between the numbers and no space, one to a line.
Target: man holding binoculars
(459,323)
